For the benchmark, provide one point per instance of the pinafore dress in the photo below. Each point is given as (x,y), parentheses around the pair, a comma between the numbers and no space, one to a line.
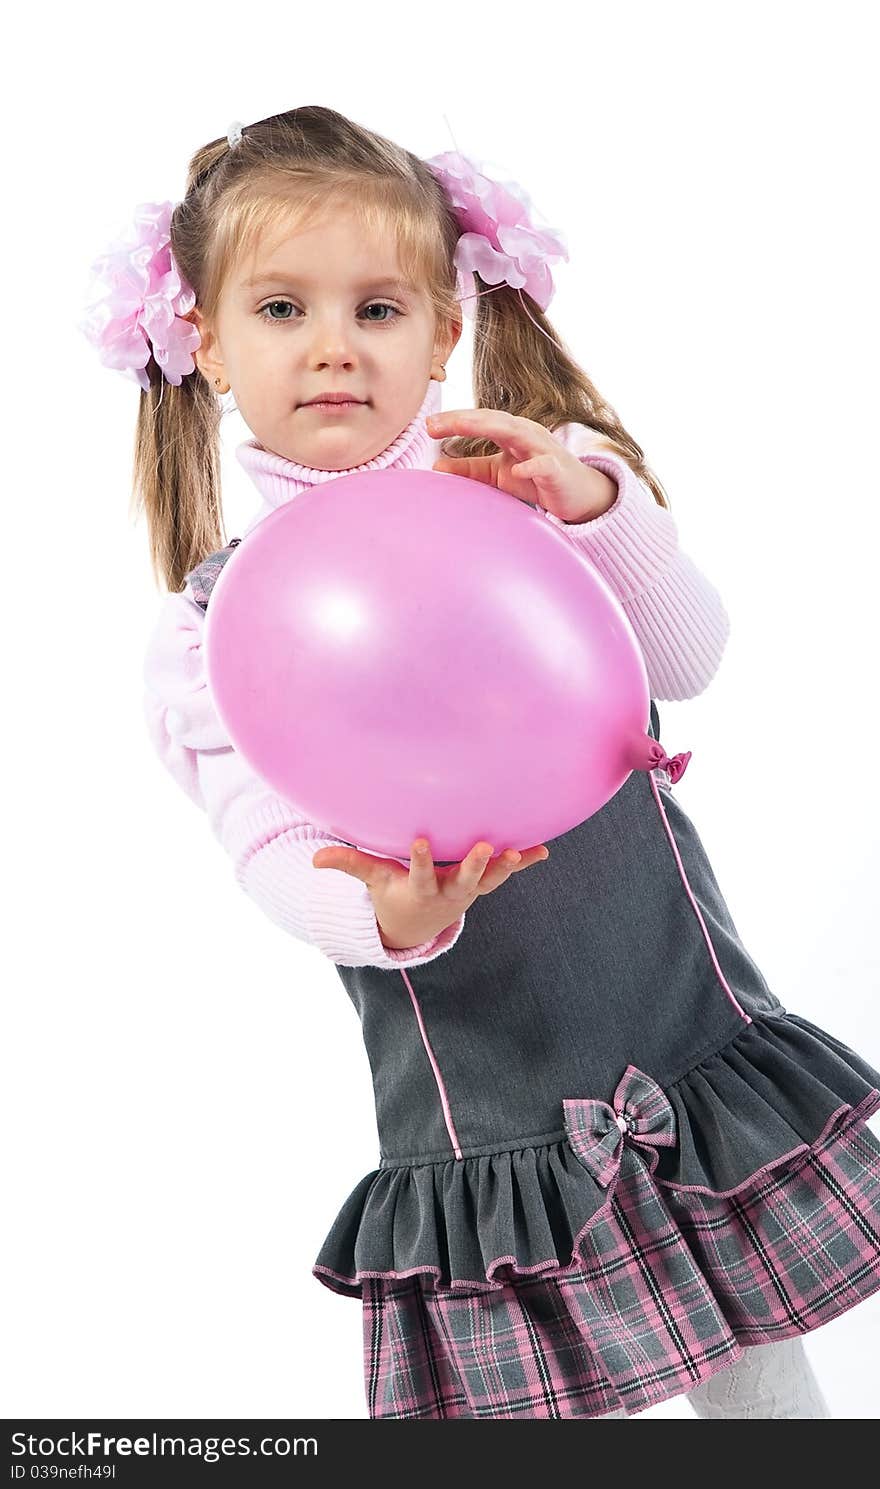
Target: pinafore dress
(609,1157)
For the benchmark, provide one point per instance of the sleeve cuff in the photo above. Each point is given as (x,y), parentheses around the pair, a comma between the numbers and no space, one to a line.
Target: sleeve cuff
(326,907)
(634,542)
(341,919)
(677,615)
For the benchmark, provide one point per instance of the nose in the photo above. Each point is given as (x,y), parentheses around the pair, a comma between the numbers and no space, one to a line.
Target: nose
(331,344)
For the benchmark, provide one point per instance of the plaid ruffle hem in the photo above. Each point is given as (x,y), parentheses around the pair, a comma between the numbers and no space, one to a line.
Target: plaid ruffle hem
(663,1284)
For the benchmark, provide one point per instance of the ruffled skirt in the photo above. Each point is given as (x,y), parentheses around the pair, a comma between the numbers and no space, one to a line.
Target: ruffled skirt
(631,1256)
(666,1287)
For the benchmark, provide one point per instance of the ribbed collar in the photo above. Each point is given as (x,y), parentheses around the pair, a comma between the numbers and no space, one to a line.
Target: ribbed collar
(278,479)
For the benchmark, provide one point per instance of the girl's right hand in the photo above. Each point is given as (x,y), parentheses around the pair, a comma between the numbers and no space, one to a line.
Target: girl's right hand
(414,905)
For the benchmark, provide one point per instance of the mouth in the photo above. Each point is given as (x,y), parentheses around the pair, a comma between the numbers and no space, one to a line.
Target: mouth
(338,407)
(331,402)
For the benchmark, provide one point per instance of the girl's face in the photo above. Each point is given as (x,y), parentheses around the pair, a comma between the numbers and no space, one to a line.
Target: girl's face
(323,312)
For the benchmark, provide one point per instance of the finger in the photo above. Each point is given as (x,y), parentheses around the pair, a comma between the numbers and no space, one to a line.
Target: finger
(545,470)
(422,874)
(329,858)
(519,436)
(499,869)
(360,865)
(532,855)
(512,861)
(474,467)
(336,858)
(467,876)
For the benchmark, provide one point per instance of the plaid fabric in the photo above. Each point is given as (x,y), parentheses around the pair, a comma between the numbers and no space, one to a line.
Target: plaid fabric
(595,1130)
(666,1289)
(205,575)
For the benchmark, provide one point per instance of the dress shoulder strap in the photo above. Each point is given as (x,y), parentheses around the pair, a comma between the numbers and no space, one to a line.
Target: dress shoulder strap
(205,575)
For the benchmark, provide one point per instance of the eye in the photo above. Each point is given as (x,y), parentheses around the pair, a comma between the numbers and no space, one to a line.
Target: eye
(262,312)
(288,305)
(381,305)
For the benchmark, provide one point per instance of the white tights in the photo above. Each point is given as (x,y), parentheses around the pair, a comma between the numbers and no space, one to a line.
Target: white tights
(771,1380)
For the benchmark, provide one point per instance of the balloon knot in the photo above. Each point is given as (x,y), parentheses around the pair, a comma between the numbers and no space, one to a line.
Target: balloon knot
(657,759)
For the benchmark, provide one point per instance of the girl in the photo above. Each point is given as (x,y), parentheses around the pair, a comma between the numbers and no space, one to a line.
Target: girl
(614,1168)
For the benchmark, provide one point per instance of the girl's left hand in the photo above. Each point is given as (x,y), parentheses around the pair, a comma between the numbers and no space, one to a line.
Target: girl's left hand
(531,464)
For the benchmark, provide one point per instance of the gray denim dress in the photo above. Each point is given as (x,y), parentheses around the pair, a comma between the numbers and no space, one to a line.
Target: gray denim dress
(616,957)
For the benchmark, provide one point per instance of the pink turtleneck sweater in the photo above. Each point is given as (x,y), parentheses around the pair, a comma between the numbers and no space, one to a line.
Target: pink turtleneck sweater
(676,614)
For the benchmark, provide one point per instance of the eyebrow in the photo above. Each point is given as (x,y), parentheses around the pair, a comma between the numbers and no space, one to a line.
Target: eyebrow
(284,278)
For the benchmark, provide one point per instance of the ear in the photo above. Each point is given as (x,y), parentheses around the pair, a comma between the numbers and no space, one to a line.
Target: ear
(447,340)
(207,356)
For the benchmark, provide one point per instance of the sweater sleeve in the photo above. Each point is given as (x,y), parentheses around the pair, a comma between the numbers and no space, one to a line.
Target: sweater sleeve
(269,842)
(677,615)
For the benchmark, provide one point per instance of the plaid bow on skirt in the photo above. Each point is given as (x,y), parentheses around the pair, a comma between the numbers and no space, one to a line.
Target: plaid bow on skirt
(640,1114)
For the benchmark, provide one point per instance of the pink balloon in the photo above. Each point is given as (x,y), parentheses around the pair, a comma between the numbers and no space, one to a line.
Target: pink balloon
(406,653)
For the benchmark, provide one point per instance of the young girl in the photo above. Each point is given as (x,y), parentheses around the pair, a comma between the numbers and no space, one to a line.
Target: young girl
(614,1168)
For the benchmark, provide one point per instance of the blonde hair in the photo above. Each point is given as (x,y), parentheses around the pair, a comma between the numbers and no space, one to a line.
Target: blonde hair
(293,167)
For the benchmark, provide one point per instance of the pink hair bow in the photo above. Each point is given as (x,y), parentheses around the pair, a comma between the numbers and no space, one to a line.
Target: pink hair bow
(641,1114)
(501,238)
(139,309)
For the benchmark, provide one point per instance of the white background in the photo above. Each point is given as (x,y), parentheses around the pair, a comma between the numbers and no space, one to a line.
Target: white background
(187,1099)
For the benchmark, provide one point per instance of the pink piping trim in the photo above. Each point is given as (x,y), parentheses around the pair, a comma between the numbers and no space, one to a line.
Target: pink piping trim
(444,1099)
(866,1106)
(669,833)
(483,1286)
